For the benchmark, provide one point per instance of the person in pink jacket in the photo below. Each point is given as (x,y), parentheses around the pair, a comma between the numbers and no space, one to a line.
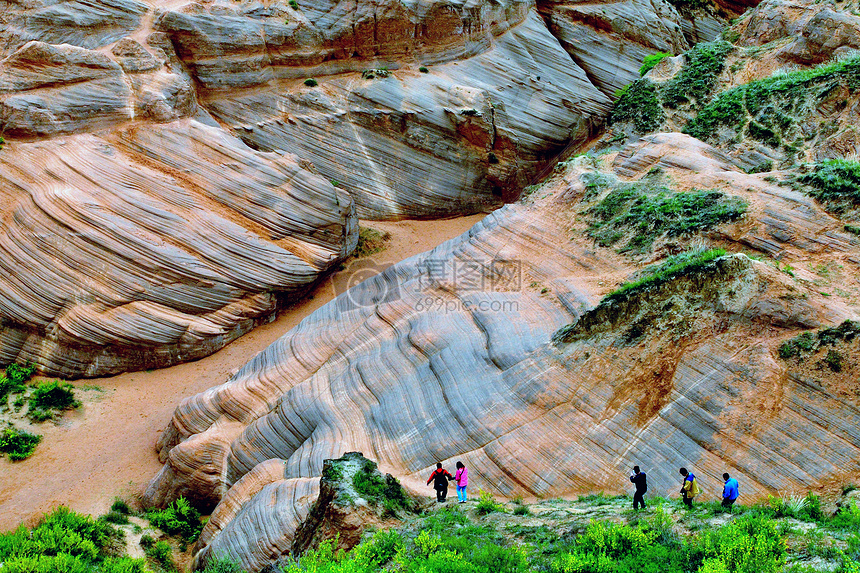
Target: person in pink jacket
(461,478)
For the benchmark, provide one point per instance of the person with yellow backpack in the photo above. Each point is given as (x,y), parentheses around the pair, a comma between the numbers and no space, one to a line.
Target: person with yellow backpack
(690,487)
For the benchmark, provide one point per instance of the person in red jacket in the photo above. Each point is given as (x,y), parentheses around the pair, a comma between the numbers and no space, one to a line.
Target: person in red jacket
(440,479)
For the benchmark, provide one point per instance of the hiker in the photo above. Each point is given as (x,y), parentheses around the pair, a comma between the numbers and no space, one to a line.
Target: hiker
(440,479)
(461,478)
(639,479)
(730,491)
(690,488)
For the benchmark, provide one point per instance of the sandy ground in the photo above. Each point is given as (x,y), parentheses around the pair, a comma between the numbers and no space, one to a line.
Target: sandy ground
(106,448)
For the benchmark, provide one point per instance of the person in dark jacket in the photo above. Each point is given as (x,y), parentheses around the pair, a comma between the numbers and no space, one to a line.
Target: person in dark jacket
(640,481)
(440,479)
(730,491)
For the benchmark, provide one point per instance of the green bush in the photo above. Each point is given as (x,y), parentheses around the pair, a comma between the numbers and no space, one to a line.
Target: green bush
(696,80)
(638,103)
(486,504)
(162,554)
(223,565)
(115,517)
(53,396)
(179,519)
(20,375)
(311,83)
(65,542)
(120,506)
(18,444)
(294,4)
(648,62)
(370,242)
(423,70)
(749,544)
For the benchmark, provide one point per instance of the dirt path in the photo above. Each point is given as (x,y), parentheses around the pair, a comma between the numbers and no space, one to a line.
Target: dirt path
(106,448)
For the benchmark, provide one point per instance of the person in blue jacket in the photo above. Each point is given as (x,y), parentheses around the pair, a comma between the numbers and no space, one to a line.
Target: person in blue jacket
(730,491)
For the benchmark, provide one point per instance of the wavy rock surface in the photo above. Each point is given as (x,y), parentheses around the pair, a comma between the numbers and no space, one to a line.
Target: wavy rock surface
(96,106)
(416,366)
(154,246)
(458,139)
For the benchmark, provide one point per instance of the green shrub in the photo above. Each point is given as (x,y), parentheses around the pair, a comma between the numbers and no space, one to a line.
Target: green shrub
(648,62)
(146,541)
(370,242)
(223,565)
(852,229)
(20,375)
(521,510)
(423,70)
(638,103)
(311,83)
(53,396)
(120,506)
(162,554)
(115,517)
(487,504)
(696,80)
(749,544)
(18,444)
(294,4)
(65,542)
(179,519)
(798,345)
(378,489)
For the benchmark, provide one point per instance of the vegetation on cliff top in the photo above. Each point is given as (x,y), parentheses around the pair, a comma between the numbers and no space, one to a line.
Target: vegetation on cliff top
(641,103)
(635,215)
(768,109)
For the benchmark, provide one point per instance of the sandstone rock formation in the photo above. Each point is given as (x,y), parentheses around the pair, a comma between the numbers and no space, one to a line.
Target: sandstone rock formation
(500,97)
(143,248)
(422,109)
(420,364)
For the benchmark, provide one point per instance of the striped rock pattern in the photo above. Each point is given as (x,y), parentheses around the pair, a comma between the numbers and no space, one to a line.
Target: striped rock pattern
(420,364)
(109,111)
(461,138)
(151,246)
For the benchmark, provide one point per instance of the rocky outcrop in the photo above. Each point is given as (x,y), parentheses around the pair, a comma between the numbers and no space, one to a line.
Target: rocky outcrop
(146,248)
(461,138)
(610,39)
(45,90)
(448,356)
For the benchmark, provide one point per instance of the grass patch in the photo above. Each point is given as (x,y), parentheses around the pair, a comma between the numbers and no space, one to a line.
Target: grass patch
(223,565)
(370,242)
(640,213)
(672,267)
(696,80)
(768,109)
(650,61)
(836,183)
(638,103)
(18,444)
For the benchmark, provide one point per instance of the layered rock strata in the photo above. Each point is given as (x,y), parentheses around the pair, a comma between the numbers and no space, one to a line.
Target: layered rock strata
(148,247)
(450,356)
